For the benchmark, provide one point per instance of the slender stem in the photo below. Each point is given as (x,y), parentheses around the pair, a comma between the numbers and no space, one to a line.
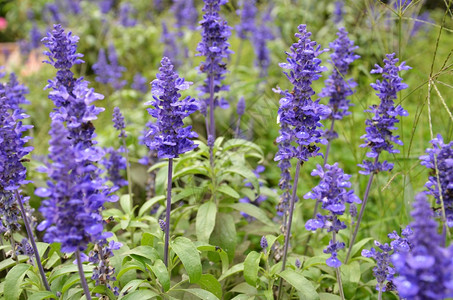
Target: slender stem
(211,106)
(288,225)
(238,127)
(328,144)
(83,280)
(362,210)
(32,240)
(167,210)
(380,293)
(337,270)
(128,170)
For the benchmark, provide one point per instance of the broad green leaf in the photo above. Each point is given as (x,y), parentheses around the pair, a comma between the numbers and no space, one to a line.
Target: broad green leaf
(189,256)
(246,173)
(202,294)
(42,295)
(327,296)
(210,283)
(144,251)
(300,283)
(229,191)
(224,234)
(146,207)
(223,255)
(130,287)
(52,260)
(233,270)
(134,265)
(350,275)
(356,248)
(205,222)
(13,280)
(200,170)
(140,294)
(66,269)
(239,143)
(147,239)
(157,166)
(42,247)
(189,192)
(251,210)
(103,290)
(126,204)
(160,270)
(315,260)
(9,262)
(251,267)
(68,283)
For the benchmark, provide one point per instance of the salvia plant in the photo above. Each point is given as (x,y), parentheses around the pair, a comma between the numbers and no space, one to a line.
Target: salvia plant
(152,193)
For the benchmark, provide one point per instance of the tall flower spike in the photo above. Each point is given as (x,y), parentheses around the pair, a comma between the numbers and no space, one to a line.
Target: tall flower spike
(171,49)
(337,87)
(118,122)
(109,71)
(379,136)
(439,160)
(168,135)
(247,13)
(214,46)
(425,272)
(186,14)
(332,193)
(260,37)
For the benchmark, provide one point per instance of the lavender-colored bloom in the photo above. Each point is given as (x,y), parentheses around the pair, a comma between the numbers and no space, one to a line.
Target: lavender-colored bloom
(214,46)
(298,114)
(337,88)
(54,12)
(240,109)
(298,263)
(35,37)
(420,22)
(73,6)
(118,122)
(247,13)
(109,71)
(125,18)
(186,14)
(14,93)
(260,37)
(338,11)
(171,50)
(140,83)
(439,160)
(379,136)
(425,272)
(168,135)
(104,272)
(384,270)
(114,164)
(263,242)
(106,5)
(62,55)
(162,225)
(333,195)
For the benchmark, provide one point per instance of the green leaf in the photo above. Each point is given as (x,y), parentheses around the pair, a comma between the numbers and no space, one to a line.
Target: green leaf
(251,267)
(102,289)
(202,294)
(239,143)
(189,192)
(160,270)
(224,234)
(68,283)
(205,222)
(210,283)
(157,166)
(223,255)
(251,210)
(227,190)
(146,207)
(233,270)
(247,174)
(144,251)
(189,256)
(191,170)
(42,295)
(356,248)
(126,204)
(300,283)
(42,247)
(140,294)
(9,262)
(133,265)
(147,239)
(13,280)
(326,296)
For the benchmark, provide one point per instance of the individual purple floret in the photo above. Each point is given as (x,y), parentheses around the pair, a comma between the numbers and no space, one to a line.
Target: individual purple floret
(384,270)
(379,136)
(333,195)
(62,55)
(114,164)
(186,14)
(168,135)
(109,72)
(297,111)
(171,49)
(425,272)
(260,37)
(337,87)
(214,46)
(118,122)
(439,160)
(73,200)
(125,15)
(140,83)
(247,13)
(104,272)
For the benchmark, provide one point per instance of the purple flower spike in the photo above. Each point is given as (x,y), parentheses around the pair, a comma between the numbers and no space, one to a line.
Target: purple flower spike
(109,71)
(240,109)
(260,37)
(168,136)
(332,193)
(126,15)
(118,122)
(439,160)
(263,242)
(247,13)
(186,14)
(214,46)
(337,88)
(140,83)
(379,136)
